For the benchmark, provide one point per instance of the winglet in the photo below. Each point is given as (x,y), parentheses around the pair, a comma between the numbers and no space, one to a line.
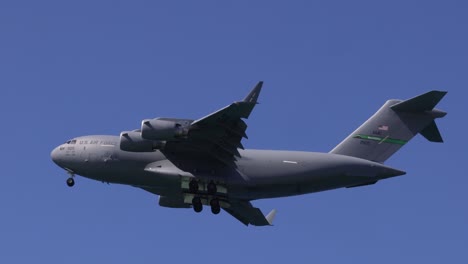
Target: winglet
(271,216)
(253,95)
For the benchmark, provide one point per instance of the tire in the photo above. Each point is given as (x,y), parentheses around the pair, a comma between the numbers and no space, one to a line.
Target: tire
(70,182)
(215,207)
(197,204)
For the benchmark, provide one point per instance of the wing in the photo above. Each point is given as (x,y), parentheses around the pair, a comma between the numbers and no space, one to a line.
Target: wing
(247,214)
(218,135)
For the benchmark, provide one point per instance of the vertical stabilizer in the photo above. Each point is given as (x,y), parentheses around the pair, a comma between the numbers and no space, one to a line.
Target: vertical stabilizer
(392,126)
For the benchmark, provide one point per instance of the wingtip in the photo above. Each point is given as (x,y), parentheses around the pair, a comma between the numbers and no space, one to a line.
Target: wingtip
(271,216)
(439,94)
(252,97)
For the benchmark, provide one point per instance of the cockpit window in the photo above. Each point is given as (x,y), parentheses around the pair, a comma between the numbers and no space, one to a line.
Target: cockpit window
(71,142)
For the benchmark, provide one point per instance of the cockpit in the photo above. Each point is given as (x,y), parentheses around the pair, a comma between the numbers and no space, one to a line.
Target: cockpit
(71,142)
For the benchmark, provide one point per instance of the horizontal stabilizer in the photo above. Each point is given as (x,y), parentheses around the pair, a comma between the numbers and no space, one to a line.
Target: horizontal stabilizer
(424,102)
(431,133)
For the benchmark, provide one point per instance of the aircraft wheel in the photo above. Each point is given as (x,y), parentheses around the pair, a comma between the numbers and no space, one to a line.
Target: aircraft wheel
(215,207)
(211,188)
(197,204)
(70,182)
(193,186)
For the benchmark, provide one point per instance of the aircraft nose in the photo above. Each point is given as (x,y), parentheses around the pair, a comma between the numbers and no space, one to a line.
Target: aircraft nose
(54,155)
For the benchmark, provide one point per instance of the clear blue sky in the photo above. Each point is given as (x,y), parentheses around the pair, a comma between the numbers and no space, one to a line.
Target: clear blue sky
(99,67)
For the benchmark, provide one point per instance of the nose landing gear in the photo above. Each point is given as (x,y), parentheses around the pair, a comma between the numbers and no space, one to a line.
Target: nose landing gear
(70,182)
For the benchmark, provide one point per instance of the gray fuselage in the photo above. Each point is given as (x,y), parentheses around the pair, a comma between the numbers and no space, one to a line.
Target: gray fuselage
(258,173)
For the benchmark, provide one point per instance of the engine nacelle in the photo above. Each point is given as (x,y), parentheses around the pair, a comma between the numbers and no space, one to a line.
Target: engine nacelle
(170,202)
(133,142)
(164,128)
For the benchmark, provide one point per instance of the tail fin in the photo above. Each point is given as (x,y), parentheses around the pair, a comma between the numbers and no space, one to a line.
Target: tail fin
(392,126)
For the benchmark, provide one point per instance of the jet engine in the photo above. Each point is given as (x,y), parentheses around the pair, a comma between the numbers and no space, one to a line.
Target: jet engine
(164,128)
(171,202)
(133,142)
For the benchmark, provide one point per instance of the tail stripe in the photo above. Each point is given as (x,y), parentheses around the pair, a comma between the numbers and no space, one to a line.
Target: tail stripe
(382,140)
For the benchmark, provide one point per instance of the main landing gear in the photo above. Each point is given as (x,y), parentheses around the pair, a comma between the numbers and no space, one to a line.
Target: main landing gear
(193,186)
(207,194)
(215,207)
(197,204)
(211,188)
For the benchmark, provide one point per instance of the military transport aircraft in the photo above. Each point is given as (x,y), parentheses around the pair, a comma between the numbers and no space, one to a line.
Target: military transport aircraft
(191,163)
